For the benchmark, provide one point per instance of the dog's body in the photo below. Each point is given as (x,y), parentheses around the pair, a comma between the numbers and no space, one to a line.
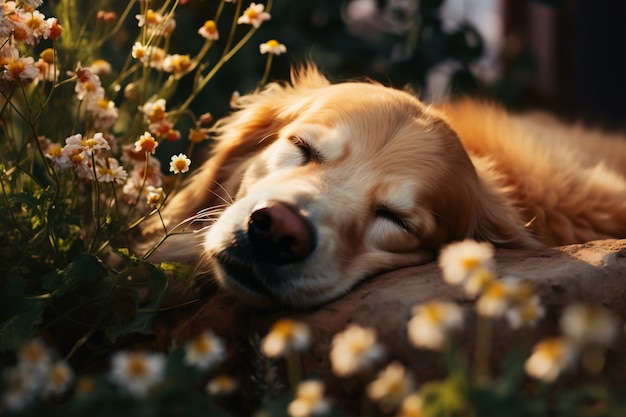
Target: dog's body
(312,187)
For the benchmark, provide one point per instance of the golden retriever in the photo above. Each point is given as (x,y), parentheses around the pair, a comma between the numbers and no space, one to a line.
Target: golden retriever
(312,187)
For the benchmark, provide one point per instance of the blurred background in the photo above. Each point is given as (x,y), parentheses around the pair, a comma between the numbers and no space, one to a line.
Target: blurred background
(566,56)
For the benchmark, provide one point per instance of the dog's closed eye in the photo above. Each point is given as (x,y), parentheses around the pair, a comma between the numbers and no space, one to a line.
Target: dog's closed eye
(308,151)
(383,211)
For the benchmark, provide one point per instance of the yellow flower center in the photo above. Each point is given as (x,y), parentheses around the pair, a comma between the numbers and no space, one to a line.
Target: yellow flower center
(210,26)
(469,263)
(251,13)
(180,164)
(103,103)
(89,143)
(47,55)
(273,43)
(55,150)
(433,313)
(59,375)
(152,17)
(202,345)
(137,367)
(32,353)
(16,67)
(157,114)
(90,87)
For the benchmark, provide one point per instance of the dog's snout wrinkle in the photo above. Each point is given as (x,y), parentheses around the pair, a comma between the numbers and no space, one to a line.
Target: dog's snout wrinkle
(279,233)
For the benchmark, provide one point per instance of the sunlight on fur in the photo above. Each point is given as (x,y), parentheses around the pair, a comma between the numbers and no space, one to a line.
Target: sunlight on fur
(312,187)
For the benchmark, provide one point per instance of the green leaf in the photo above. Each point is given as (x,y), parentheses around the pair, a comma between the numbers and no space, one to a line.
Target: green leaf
(84,269)
(142,321)
(19,314)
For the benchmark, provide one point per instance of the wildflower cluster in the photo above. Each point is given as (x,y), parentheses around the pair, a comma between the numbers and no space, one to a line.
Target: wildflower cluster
(37,374)
(92,148)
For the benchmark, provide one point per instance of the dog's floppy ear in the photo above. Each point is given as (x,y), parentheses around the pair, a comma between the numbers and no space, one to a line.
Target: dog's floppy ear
(470,200)
(254,124)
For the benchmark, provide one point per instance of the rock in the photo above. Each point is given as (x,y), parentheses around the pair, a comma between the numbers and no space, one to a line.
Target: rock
(591,272)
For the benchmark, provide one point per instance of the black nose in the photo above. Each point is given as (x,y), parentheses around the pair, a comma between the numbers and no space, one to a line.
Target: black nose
(279,233)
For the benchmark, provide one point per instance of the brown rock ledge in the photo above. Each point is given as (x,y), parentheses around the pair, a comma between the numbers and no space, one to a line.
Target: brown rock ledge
(592,272)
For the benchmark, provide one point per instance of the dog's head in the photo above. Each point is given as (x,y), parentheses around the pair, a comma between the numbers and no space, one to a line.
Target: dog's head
(328,184)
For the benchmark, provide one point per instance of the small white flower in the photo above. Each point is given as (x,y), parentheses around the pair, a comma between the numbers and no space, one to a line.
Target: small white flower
(146,143)
(138,372)
(139,52)
(20,389)
(110,171)
(179,163)
(432,324)
(461,261)
(391,387)
(204,351)
(254,15)
(309,400)
(589,325)
(286,335)
(155,196)
(525,314)
(550,358)
(272,47)
(34,357)
(209,30)
(20,69)
(60,376)
(354,350)
(104,111)
(221,385)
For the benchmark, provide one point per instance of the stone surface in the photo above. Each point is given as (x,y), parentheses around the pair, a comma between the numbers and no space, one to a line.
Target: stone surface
(593,272)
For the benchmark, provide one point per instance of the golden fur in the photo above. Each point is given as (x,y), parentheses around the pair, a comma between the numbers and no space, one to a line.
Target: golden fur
(383,181)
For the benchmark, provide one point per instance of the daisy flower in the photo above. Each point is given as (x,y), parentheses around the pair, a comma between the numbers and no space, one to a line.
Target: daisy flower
(550,358)
(20,389)
(151,19)
(204,351)
(589,325)
(155,196)
(494,301)
(355,349)
(176,63)
(110,171)
(391,387)
(146,143)
(104,111)
(525,314)
(209,30)
(254,15)
(179,163)
(272,47)
(465,260)
(432,324)
(309,400)
(88,85)
(34,357)
(20,69)
(221,385)
(87,144)
(154,111)
(286,335)
(139,52)
(60,377)
(137,371)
